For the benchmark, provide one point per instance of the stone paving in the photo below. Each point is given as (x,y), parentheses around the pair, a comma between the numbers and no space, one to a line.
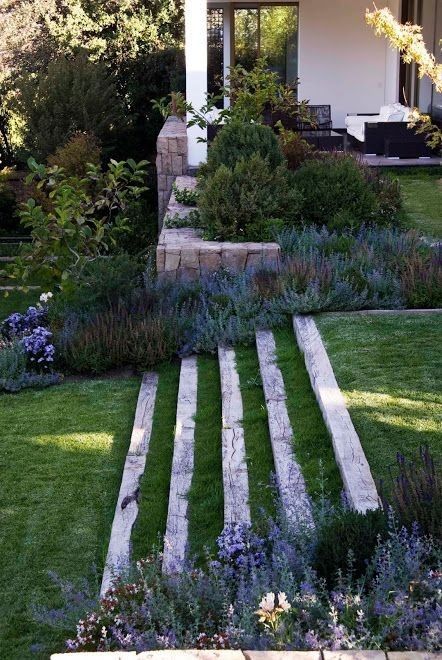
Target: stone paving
(251,655)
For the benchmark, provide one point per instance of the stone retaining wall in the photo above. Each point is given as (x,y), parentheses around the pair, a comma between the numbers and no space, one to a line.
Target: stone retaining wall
(183,254)
(250,655)
(171,160)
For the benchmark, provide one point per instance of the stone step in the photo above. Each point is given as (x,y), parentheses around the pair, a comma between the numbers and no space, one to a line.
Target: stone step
(126,511)
(235,475)
(353,465)
(175,540)
(290,481)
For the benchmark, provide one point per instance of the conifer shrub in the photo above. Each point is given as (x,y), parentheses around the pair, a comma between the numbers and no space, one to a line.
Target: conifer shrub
(248,202)
(240,141)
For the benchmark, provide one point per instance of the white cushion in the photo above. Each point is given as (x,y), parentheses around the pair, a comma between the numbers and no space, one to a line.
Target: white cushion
(396,116)
(357,131)
(359,120)
(386,111)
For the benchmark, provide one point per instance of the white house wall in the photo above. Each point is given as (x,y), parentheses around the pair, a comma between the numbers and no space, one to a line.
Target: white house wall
(341,61)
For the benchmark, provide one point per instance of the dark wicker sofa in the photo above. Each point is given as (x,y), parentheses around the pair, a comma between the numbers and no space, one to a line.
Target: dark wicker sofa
(390,138)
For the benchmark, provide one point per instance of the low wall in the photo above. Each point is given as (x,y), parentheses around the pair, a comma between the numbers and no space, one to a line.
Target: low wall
(250,655)
(183,254)
(171,160)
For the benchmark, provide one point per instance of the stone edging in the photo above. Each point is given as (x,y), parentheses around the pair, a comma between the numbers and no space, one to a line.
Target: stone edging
(250,655)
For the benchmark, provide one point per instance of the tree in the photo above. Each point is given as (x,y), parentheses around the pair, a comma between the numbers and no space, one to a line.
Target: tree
(409,41)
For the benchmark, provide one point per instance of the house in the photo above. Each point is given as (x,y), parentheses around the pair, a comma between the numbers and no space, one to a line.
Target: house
(326,43)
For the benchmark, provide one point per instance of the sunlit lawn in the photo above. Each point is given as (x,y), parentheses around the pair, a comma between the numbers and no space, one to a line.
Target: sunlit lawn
(422,191)
(61,455)
(389,368)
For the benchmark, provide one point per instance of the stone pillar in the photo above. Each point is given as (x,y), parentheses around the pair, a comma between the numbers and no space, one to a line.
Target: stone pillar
(171,160)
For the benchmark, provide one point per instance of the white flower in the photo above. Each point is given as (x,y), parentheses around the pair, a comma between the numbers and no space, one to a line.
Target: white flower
(45,297)
(283,602)
(268,602)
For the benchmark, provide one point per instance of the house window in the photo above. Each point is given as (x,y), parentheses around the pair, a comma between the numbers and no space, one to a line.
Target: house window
(270,31)
(252,30)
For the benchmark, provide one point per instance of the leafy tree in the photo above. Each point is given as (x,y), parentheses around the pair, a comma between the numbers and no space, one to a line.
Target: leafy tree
(73,95)
(409,41)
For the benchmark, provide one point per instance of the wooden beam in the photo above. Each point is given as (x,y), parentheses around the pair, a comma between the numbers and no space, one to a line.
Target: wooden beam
(353,465)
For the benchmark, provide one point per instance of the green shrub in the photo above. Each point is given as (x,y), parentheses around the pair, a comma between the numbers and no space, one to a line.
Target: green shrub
(295,149)
(74,156)
(348,540)
(237,141)
(9,223)
(186,196)
(336,192)
(12,362)
(72,95)
(248,202)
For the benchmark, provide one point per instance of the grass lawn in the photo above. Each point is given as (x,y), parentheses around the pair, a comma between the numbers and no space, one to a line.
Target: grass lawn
(422,191)
(389,369)
(312,444)
(16,301)
(61,455)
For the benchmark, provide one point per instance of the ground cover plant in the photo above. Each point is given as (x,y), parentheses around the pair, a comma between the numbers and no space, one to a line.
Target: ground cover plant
(61,473)
(388,368)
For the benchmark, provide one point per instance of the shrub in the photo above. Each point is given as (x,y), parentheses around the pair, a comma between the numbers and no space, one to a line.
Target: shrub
(335,192)
(123,335)
(237,141)
(74,157)
(249,201)
(416,493)
(347,542)
(81,221)
(186,196)
(72,95)
(295,149)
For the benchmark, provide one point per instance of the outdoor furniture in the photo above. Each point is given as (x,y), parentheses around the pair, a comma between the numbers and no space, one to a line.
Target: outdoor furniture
(386,132)
(320,119)
(324,140)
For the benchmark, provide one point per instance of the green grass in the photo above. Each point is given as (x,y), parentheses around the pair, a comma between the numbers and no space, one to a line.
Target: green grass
(16,301)
(151,522)
(312,444)
(422,192)
(389,369)
(206,502)
(61,456)
(256,433)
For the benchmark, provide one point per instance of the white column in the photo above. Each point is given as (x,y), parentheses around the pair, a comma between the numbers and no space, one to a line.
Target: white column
(227,46)
(392,60)
(196,72)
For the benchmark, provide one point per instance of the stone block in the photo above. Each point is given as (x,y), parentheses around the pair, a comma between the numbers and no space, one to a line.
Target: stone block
(234,257)
(413,655)
(162,144)
(191,655)
(166,167)
(173,258)
(210,259)
(188,274)
(254,261)
(182,145)
(354,655)
(92,655)
(161,258)
(173,145)
(177,165)
(190,257)
(282,655)
(162,182)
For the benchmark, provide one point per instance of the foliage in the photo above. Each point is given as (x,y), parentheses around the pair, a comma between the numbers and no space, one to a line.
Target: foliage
(416,495)
(347,542)
(340,192)
(84,218)
(6,153)
(75,156)
(295,149)
(249,201)
(421,280)
(232,604)
(72,95)
(408,39)
(124,334)
(8,211)
(186,196)
(253,92)
(177,221)
(238,141)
